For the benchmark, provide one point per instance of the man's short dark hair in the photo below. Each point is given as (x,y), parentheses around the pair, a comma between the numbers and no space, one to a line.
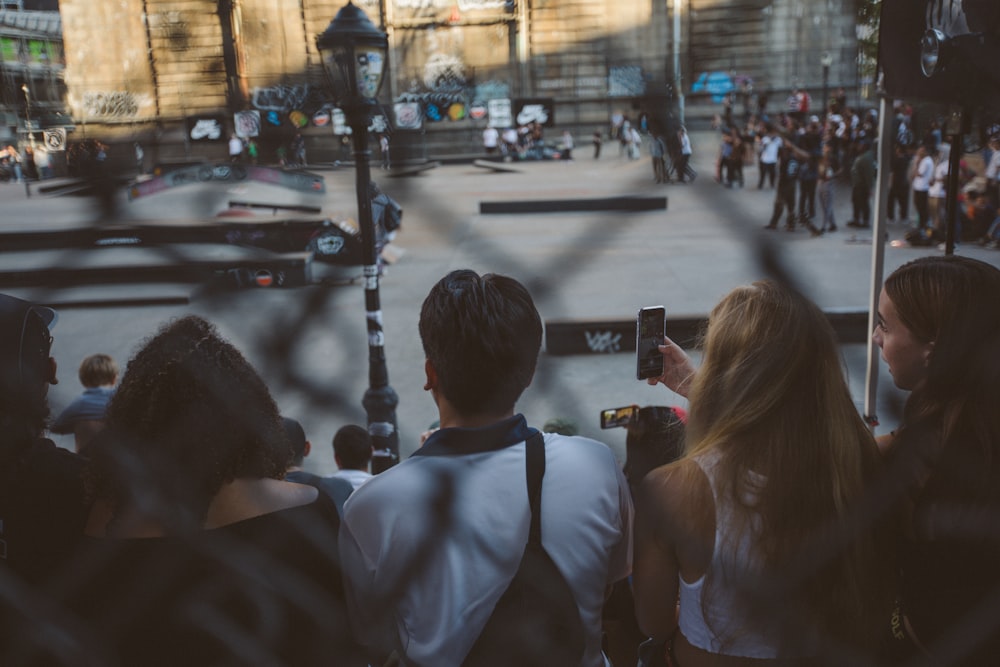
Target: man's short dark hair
(482,334)
(296,437)
(353,447)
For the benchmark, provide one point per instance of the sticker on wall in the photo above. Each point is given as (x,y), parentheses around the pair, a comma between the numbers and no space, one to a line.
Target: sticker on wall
(500,113)
(477,111)
(273,118)
(321,118)
(55,139)
(408,116)
(298,119)
(247,124)
(340,126)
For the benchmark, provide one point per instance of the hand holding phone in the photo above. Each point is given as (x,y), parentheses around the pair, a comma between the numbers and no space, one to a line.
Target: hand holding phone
(650,329)
(678,371)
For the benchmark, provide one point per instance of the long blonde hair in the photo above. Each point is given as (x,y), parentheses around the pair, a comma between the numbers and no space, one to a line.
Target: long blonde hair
(771,400)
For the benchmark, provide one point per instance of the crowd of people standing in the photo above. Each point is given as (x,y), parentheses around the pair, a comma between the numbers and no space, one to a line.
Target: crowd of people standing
(804,157)
(782,532)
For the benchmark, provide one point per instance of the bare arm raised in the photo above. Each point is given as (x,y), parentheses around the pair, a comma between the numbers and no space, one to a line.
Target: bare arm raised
(678,371)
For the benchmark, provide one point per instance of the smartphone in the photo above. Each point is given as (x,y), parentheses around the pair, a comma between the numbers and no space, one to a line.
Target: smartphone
(613,417)
(650,328)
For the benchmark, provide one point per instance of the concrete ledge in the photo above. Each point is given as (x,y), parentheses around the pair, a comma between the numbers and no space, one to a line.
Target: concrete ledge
(119,302)
(574,205)
(281,270)
(565,337)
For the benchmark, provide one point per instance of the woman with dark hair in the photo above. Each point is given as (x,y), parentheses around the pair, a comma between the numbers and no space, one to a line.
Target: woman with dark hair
(761,529)
(939,332)
(200,552)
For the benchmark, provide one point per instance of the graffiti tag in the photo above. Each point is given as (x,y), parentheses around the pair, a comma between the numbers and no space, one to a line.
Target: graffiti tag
(603,341)
(626,81)
(444,73)
(280,98)
(111,104)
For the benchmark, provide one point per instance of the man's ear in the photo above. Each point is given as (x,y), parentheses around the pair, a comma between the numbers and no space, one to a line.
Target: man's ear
(431,373)
(307,449)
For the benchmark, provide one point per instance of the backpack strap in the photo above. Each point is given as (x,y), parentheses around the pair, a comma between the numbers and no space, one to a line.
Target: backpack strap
(535,464)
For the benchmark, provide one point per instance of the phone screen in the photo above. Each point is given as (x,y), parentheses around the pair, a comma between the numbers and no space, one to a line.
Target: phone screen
(613,417)
(650,329)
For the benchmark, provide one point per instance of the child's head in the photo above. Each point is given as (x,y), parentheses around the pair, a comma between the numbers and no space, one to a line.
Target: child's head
(98,370)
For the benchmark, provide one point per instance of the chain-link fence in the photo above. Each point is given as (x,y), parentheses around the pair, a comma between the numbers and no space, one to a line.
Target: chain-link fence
(308,345)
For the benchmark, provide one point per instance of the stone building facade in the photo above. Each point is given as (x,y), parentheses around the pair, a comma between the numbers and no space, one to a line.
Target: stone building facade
(151,69)
(31,75)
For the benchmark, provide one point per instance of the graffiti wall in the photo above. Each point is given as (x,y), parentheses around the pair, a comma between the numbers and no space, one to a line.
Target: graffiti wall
(452,73)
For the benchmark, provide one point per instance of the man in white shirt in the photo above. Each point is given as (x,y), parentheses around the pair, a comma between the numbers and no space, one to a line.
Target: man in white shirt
(490,140)
(770,144)
(352,450)
(235,149)
(923,174)
(429,546)
(993,172)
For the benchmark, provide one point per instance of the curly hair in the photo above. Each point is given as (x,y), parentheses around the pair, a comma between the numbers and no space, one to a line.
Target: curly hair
(190,415)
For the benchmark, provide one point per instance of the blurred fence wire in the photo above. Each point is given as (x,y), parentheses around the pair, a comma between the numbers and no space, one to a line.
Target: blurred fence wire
(258,594)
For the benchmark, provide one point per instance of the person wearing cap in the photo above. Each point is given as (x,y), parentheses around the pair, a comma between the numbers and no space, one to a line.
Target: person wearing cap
(42,506)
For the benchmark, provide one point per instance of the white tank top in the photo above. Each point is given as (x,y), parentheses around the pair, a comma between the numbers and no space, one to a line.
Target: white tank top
(724,630)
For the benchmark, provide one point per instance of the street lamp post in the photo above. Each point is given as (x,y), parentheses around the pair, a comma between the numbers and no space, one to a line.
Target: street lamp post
(27,114)
(826,61)
(31,136)
(353,52)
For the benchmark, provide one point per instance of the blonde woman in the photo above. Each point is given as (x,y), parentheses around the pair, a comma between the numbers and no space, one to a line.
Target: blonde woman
(762,531)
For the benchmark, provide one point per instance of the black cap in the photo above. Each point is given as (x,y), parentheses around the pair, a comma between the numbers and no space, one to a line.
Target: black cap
(24,343)
(13,311)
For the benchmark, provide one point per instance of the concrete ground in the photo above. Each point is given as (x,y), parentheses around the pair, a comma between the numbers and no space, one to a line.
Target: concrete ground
(310,343)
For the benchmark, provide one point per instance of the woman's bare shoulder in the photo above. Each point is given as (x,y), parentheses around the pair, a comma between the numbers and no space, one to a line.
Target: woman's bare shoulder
(681,493)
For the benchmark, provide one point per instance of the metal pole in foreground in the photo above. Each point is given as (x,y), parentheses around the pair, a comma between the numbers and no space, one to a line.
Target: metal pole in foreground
(826,61)
(380,400)
(353,53)
(885,140)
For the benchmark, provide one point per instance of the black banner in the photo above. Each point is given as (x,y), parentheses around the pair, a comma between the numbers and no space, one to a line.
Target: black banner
(969,57)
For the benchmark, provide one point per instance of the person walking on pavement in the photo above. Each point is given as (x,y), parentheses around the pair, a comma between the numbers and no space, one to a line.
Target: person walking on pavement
(684,170)
(862,179)
(922,175)
(829,172)
(657,152)
(790,157)
(235,149)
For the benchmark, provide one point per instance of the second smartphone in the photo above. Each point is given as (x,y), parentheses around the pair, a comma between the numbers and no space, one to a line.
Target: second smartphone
(650,328)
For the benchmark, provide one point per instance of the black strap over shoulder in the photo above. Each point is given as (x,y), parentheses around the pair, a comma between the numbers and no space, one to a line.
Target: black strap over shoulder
(536,622)
(535,464)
